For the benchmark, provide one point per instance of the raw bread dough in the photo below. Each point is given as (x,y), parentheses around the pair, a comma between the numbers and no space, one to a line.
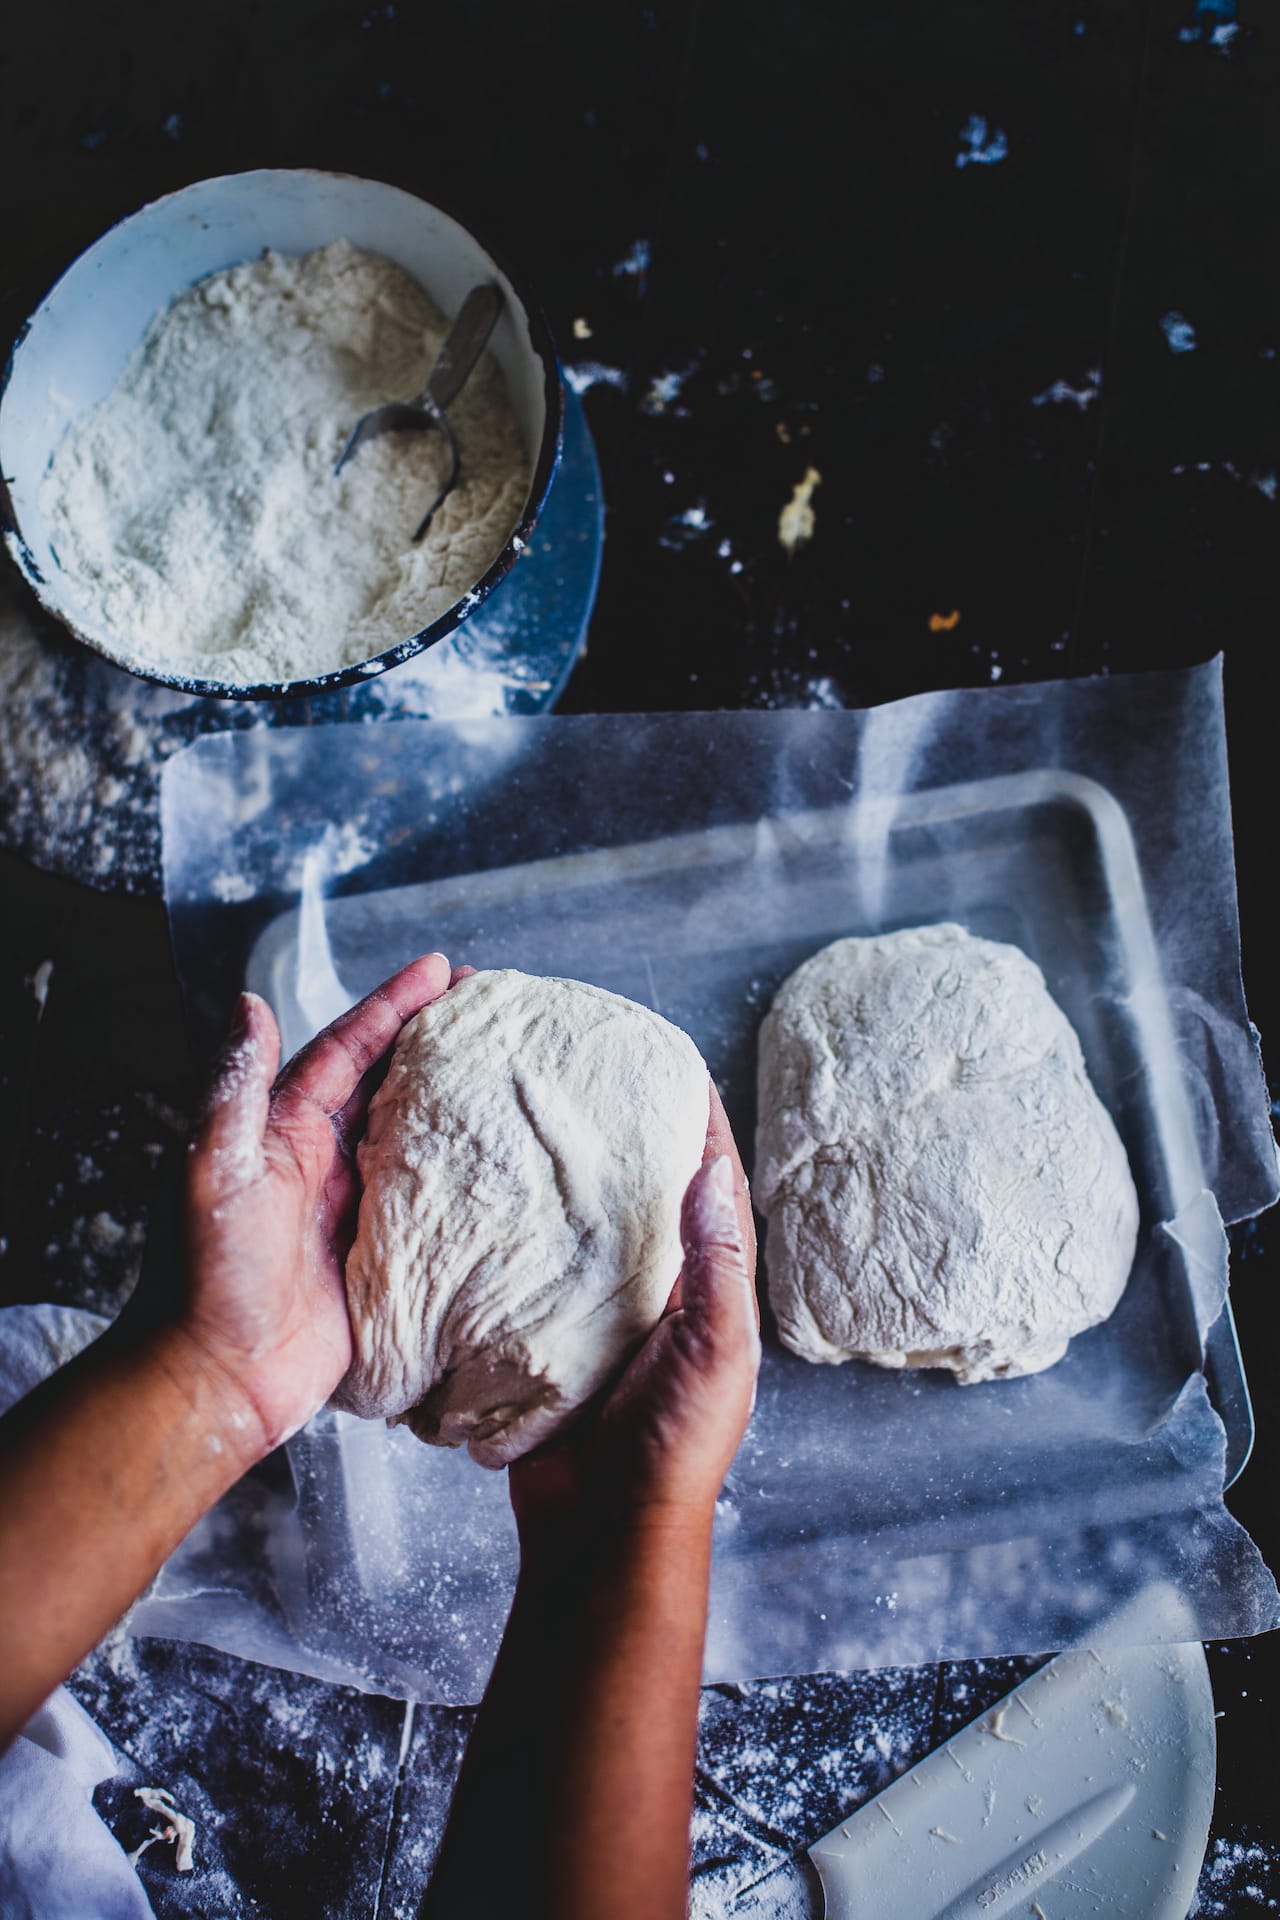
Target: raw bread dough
(943,1186)
(523,1172)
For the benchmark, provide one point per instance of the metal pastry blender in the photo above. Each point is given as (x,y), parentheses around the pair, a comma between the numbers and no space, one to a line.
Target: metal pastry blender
(463,345)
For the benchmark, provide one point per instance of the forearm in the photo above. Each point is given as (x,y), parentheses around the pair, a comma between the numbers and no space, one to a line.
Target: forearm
(575,1795)
(103,1469)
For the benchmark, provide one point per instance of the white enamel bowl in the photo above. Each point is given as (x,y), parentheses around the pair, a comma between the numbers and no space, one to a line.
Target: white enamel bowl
(76,343)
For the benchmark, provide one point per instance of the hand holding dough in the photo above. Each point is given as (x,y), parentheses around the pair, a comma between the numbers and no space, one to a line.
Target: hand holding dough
(523,1174)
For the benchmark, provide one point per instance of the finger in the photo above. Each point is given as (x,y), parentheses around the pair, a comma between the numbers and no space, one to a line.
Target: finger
(328,1070)
(717,1291)
(227,1150)
(720,1140)
(719,1133)
(350,1119)
(339,1210)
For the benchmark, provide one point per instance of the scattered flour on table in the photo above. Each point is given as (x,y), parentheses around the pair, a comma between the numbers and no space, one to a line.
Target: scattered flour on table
(1239,1876)
(785,685)
(196,510)
(782,1762)
(87,1185)
(81,747)
(83,743)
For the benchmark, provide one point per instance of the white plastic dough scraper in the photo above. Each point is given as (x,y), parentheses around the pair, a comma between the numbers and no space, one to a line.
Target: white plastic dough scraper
(1086,1791)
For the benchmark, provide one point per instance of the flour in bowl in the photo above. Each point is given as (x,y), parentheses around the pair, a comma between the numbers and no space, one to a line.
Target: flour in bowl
(196,509)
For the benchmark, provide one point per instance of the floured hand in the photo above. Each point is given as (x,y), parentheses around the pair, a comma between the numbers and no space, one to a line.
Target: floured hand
(110,1462)
(272,1196)
(658,1444)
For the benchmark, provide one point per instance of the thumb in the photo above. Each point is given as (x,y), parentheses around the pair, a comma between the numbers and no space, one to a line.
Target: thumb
(717,1292)
(229,1145)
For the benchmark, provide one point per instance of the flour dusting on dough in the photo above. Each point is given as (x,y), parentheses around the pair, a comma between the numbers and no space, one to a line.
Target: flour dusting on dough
(525,1164)
(943,1186)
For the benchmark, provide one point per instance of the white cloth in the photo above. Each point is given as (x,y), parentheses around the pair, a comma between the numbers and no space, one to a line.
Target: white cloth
(58,1860)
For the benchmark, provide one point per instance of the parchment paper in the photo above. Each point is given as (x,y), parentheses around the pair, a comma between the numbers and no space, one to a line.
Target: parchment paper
(691,861)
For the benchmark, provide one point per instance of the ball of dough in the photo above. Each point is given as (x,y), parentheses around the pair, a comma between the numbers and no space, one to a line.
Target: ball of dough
(519,1231)
(942,1185)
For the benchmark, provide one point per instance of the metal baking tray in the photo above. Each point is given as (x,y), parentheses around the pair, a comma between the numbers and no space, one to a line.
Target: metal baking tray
(704,926)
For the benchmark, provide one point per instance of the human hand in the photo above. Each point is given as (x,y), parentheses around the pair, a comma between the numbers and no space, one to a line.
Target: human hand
(658,1444)
(272,1196)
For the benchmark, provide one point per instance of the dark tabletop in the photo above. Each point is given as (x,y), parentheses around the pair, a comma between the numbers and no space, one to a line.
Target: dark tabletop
(1003,275)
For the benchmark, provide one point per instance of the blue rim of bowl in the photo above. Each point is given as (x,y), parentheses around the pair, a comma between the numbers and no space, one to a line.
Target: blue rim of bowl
(544,472)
